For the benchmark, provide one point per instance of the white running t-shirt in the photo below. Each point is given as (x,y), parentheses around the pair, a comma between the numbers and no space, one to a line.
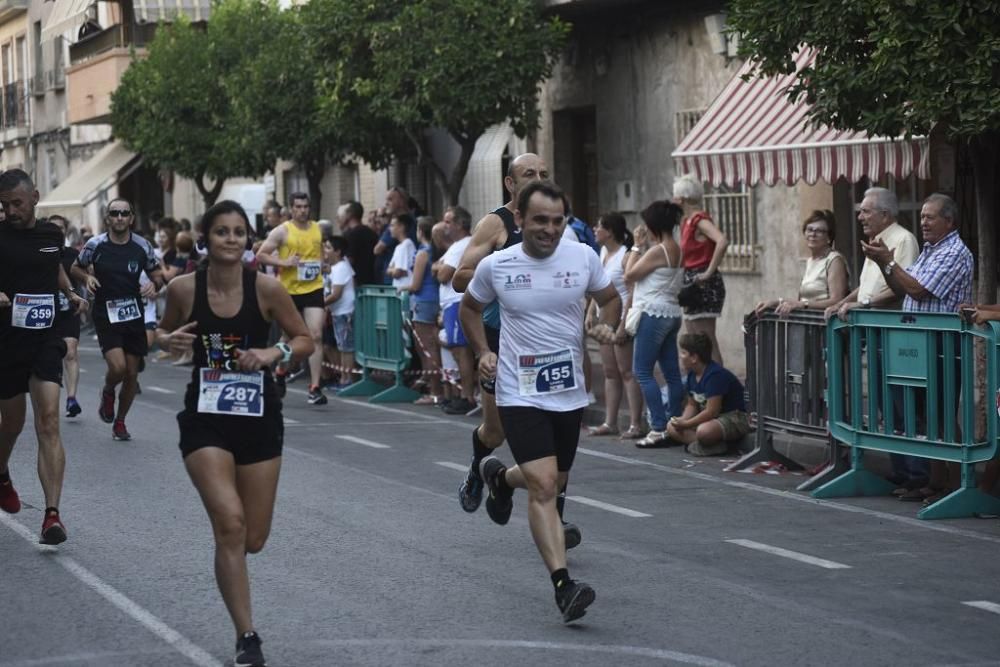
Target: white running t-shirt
(541,313)
(452,257)
(402,258)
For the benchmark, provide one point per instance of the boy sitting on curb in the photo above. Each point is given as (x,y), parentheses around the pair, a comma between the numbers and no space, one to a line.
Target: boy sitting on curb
(714,412)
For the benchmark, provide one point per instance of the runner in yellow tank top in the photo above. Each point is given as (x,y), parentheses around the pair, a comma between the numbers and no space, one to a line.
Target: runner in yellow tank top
(296,248)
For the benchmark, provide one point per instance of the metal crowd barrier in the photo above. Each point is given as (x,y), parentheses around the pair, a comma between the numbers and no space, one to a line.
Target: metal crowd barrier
(381,343)
(905,383)
(786,382)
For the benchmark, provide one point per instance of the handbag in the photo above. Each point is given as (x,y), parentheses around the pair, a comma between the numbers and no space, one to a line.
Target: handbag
(690,295)
(632,321)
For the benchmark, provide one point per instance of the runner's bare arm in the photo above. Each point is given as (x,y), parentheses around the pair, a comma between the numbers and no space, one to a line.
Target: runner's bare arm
(67,289)
(489,234)
(470,313)
(275,239)
(277,305)
(611,313)
(172,333)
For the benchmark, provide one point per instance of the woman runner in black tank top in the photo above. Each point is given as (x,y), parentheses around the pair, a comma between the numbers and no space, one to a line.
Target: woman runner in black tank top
(231,428)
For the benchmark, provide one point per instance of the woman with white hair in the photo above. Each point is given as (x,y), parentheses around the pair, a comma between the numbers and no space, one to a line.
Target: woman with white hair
(703,245)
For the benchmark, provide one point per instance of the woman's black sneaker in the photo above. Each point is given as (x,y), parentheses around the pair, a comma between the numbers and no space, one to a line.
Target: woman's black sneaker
(248,653)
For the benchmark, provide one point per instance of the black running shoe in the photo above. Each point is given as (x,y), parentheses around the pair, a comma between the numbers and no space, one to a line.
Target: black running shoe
(470,494)
(72,407)
(459,406)
(248,653)
(316,396)
(572,535)
(498,503)
(279,384)
(573,600)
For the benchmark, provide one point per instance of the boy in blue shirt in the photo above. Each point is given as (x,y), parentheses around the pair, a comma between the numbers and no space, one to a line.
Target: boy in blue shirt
(715,412)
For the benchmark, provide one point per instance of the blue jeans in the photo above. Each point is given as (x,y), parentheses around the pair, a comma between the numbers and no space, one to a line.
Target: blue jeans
(656,342)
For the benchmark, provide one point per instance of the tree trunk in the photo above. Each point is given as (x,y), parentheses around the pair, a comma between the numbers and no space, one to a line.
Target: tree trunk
(315,170)
(209,195)
(985,153)
(457,179)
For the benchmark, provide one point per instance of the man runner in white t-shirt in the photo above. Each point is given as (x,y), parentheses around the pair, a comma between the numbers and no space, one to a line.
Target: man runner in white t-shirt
(540,285)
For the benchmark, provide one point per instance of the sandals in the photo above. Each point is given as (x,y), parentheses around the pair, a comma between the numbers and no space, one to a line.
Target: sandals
(633,433)
(603,429)
(655,440)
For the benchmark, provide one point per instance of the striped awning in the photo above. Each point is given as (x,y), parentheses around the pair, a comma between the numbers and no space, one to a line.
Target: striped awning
(167,11)
(751,133)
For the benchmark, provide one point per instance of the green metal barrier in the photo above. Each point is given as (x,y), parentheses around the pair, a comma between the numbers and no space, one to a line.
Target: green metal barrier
(917,369)
(381,344)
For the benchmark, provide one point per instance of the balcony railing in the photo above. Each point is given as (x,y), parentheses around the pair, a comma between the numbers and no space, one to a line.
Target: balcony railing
(15,105)
(115,37)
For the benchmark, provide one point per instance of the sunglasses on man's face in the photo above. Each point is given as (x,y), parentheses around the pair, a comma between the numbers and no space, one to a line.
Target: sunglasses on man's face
(118,213)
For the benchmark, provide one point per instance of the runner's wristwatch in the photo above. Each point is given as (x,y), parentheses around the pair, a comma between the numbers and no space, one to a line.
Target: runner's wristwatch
(286,352)
(888,268)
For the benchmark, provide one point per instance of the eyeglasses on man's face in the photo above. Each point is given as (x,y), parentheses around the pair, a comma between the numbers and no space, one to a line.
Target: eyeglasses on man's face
(119,213)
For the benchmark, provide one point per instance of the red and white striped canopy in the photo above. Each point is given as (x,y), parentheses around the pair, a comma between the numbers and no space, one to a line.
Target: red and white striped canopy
(751,133)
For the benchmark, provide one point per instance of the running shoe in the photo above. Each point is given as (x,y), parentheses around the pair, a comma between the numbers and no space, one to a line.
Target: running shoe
(573,600)
(292,377)
(248,653)
(572,535)
(10,502)
(316,396)
(459,406)
(119,432)
(470,494)
(279,384)
(53,531)
(72,407)
(498,502)
(106,410)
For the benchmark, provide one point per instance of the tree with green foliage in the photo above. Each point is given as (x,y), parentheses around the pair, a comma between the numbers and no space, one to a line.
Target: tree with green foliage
(176,105)
(458,65)
(279,94)
(893,68)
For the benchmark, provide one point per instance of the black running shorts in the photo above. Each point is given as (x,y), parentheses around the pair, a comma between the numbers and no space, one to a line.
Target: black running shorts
(68,325)
(312,299)
(534,434)
(129,336)
(42,359)
(248,439)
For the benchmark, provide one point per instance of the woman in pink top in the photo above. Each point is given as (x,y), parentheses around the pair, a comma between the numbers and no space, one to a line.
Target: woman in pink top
(703,246)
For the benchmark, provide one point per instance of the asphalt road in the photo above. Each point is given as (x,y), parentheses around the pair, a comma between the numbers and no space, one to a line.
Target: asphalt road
(372,562)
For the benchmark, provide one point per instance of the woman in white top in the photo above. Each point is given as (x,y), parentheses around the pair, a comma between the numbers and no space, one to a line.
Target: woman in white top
(826,277)
(615,239)
(657,277)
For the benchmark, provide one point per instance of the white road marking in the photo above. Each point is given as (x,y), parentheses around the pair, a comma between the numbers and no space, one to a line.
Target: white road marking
(365,423)
(453,466)
(504,644)
(398,411)
(794,555)
(362,441)
(160,390)
(984,605)
(796,496)
(181,644)
(290,421)
(609,507)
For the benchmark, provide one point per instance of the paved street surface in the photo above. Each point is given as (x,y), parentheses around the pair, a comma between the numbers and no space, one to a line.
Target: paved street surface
(372,562)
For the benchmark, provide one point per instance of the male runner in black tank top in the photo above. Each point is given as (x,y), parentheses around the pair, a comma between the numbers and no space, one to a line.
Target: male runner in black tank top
(31,278)
(497,231)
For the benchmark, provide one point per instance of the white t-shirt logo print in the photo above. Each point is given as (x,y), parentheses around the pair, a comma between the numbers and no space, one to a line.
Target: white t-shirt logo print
(519,281)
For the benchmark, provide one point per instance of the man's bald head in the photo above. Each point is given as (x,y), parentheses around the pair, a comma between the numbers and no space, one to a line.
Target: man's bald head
(525,168)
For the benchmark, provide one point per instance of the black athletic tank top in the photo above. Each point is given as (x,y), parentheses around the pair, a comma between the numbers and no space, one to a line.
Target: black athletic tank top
(218,338)
(513,231)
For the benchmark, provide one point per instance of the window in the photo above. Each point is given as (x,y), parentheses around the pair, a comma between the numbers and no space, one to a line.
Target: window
(731,208)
